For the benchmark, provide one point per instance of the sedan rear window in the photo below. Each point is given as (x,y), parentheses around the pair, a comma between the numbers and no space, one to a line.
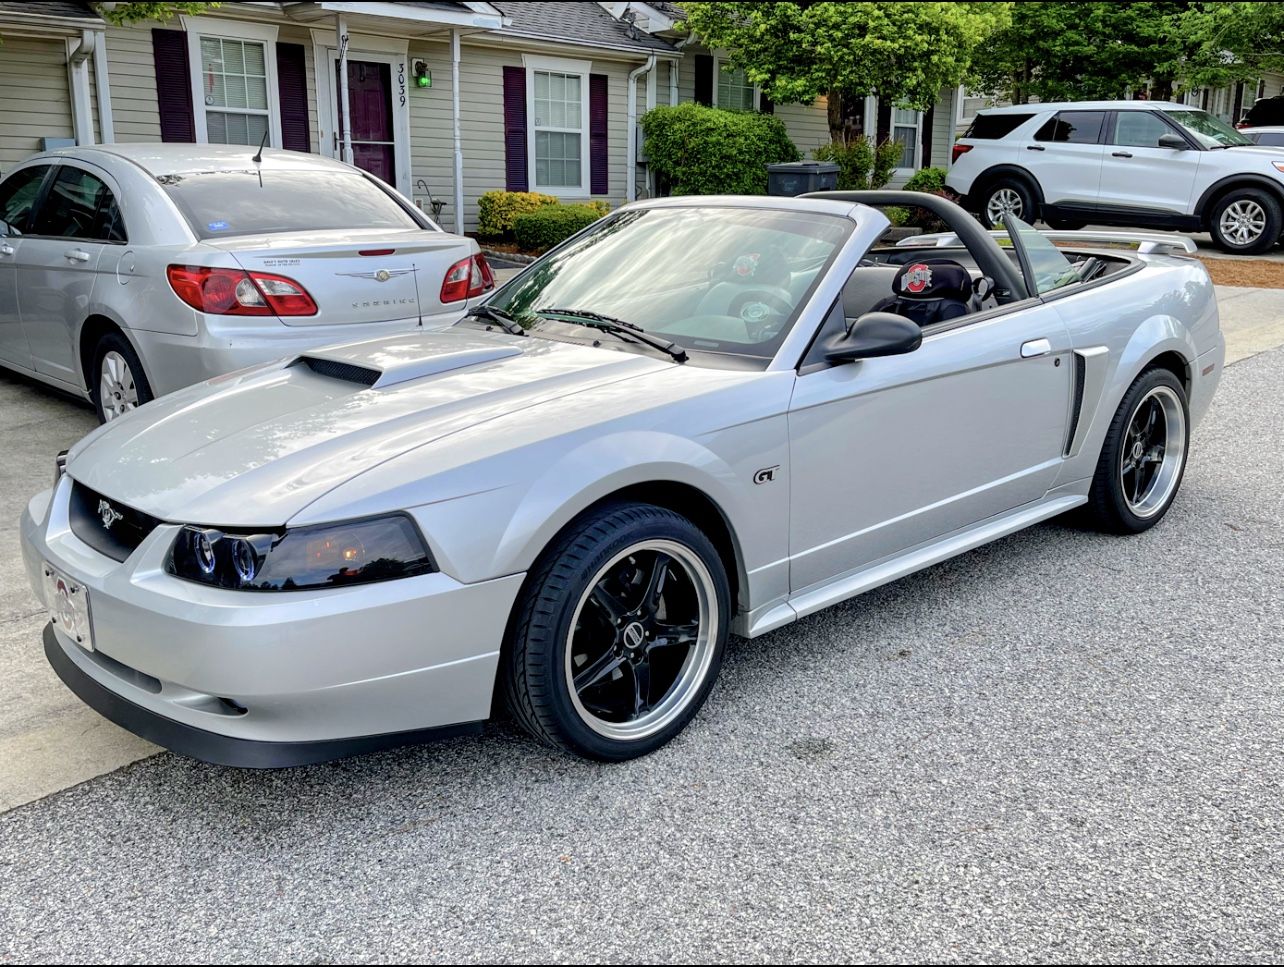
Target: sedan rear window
(221,203)
(991,127)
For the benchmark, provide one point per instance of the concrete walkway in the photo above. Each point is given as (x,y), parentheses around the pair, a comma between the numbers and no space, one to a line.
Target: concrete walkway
(48,739)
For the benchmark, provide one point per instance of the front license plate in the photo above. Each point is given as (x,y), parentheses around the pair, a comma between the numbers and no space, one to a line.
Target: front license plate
(69,607)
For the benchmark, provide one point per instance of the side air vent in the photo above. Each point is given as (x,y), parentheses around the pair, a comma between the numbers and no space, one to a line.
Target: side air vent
(1080,373)
(346,372)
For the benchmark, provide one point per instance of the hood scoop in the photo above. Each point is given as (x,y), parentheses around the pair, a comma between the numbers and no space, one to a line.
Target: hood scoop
(392,363)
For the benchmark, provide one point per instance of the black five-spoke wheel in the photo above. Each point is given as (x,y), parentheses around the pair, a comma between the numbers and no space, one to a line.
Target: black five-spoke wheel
(620,634)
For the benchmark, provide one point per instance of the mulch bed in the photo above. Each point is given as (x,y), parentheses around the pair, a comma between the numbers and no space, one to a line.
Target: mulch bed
(1258,273)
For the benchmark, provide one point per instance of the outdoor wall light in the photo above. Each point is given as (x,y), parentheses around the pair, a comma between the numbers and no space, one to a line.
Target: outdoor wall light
(423,76)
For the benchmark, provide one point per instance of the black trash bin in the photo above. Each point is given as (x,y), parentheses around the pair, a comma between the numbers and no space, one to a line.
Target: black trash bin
(800,177)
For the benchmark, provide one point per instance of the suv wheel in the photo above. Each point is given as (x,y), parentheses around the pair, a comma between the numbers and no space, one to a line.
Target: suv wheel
(1246,221)
(1007,196)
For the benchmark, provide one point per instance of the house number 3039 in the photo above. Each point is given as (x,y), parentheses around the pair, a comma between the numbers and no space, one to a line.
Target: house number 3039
(401,82)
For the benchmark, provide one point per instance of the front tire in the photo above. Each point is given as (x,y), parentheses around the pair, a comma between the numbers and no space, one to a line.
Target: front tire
(118,381)
(619,634)
(1246,221)
(1143,458)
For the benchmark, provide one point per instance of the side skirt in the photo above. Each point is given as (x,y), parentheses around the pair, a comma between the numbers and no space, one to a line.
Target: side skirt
(849,585)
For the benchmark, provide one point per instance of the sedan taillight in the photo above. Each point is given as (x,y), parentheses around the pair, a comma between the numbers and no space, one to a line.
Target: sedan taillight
(234,292)
(467,279)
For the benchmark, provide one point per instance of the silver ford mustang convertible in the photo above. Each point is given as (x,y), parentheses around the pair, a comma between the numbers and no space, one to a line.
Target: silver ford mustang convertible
(698,417)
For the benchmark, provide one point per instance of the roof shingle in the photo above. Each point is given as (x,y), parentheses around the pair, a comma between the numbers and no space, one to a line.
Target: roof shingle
(576,23)
(71,9)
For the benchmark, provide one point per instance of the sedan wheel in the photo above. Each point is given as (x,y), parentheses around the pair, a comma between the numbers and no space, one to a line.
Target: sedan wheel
(117,387)
(1143,457)
(619,634)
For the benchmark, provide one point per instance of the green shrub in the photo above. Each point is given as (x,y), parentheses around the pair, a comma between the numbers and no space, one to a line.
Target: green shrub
(897,215)
(927,179)
(497,211)
(599,205)
(543,228)
(861,164)
(697,150)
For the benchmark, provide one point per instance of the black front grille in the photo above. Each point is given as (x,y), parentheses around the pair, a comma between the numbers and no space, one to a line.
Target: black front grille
(346,372)
(106,525)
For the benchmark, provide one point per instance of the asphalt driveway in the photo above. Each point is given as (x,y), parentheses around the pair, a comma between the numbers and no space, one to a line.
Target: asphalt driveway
(1062,746)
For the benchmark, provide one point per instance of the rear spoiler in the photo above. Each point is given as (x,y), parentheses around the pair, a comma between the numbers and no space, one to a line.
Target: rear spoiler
(1147,243)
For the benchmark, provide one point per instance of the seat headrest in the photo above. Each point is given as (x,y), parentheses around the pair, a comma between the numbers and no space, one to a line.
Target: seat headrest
(933,279)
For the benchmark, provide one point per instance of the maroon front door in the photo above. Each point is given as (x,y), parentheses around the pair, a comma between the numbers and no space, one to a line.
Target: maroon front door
(370,105)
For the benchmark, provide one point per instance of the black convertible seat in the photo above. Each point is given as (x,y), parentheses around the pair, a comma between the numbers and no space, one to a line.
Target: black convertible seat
(932,290)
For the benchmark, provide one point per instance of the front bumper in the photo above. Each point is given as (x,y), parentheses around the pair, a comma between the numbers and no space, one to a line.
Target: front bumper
(258,678)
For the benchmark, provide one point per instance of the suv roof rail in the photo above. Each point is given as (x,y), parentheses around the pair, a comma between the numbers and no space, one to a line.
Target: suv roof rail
(1147,243)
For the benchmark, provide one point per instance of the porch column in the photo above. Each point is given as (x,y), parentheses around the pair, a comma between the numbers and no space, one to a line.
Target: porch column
(455,132)
(344,115)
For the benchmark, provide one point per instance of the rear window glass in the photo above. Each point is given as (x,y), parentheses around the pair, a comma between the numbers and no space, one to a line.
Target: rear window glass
(1073,127)
(991,127)
(1271,139)
(221,203)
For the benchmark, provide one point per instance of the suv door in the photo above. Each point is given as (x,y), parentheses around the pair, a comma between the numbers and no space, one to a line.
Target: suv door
(1069,167)
(58,265)
(1141,179)
(890,453)
(18,196)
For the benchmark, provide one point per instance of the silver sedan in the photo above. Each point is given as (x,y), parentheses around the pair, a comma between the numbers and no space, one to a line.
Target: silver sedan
(700,416)
(128,271)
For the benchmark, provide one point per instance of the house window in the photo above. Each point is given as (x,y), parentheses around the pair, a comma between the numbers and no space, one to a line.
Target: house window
(734,93)
(559,129)
(234,80)
(234,84)
(905,125)
(558,137)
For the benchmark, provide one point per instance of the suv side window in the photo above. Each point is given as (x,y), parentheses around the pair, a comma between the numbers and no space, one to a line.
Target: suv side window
(1138,129)
(991,127)
(1072,127)
(18,197)
(79,205)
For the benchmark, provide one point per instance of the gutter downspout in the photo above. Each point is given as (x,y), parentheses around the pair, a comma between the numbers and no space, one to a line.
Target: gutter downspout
(631,168)
(345,113)
(102,83)
(675,67)
(456,136)
(82,111)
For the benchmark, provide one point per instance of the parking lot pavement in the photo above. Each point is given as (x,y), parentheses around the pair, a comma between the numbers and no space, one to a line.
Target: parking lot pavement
(1063,746)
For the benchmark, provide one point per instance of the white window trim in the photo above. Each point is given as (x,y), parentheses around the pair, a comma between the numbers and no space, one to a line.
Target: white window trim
(560,65)
(918,140)
(718,58)
(266,34)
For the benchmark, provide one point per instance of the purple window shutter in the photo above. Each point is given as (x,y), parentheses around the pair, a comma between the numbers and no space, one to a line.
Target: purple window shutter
(515,162)
(173,85)
(292,89)
(599,180)
(703,79)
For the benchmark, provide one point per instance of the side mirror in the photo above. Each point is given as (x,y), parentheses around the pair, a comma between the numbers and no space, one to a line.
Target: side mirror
(1174,141)
(874,334)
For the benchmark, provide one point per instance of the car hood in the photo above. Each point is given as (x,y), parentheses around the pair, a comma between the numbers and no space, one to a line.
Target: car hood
(255,448)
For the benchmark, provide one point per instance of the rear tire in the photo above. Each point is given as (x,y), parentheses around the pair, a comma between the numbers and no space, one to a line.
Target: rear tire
(118,383)
(619,633)
(1144,455)
(1007,195)
(1246,221)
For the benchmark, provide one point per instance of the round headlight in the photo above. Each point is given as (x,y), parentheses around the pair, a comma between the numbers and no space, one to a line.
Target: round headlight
(203,551)
(245,560)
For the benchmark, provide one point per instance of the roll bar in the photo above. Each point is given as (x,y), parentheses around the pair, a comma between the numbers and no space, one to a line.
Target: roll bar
(982,246)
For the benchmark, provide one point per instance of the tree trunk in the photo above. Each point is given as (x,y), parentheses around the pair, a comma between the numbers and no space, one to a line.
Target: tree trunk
(834,113)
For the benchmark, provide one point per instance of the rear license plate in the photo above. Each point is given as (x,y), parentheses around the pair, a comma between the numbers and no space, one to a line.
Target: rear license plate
(69,607)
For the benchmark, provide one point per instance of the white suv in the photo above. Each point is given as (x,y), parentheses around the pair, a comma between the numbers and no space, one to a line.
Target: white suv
(1135,163)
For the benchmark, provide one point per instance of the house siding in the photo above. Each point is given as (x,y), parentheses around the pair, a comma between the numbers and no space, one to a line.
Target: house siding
(35,99)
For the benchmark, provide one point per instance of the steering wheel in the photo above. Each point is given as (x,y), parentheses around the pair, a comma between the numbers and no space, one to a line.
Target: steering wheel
(759,309)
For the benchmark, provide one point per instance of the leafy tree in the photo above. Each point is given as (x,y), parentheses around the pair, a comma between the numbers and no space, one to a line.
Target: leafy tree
(796,52)
(128,13)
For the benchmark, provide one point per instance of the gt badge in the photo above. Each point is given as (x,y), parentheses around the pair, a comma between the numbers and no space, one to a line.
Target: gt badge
(766,475)
(108,514)
(918,278)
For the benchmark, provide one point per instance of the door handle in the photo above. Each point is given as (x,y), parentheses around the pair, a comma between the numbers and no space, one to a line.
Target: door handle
(1035,147)
(6,249)
(1121,154)
(1035,347)
(76,255)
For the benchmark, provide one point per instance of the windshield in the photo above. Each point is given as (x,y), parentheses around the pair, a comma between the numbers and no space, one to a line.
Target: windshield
(1048,268)
(1209,131)
(221,203)
(708,278)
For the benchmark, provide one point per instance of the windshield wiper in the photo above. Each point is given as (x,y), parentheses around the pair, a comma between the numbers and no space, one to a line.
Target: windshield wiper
(509,324)
(617,327)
